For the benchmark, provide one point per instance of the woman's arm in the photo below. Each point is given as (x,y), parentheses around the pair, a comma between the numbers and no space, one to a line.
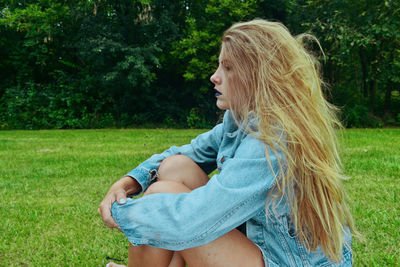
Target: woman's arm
(202,150)
(180,221)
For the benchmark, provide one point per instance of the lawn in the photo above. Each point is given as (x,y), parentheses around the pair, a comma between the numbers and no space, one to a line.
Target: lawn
(51,183)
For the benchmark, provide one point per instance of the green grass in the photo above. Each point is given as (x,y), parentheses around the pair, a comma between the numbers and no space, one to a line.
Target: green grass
(372,160)
(51,183)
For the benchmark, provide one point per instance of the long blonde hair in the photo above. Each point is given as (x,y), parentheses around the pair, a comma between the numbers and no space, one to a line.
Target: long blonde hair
(275,77)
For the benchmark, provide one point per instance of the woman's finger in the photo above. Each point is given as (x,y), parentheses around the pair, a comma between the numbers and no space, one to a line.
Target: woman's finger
(105,213)
(121,197)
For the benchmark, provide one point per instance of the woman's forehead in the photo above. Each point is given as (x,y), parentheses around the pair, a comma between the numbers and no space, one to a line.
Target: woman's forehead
(224,56)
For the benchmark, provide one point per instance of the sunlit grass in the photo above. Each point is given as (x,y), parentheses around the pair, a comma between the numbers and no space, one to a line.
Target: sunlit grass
(51,183)
(372,160)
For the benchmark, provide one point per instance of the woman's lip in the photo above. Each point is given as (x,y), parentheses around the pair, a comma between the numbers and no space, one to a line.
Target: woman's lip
(218,93)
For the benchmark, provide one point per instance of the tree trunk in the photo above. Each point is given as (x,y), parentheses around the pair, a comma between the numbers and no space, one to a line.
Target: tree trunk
(388,94)
(329,72)
(372,91)
(364,70)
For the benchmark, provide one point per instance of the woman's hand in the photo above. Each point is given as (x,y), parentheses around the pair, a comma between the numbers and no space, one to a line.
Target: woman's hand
(118,192)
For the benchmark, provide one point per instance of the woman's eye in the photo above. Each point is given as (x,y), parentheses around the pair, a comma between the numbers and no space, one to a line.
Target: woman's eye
(227,67)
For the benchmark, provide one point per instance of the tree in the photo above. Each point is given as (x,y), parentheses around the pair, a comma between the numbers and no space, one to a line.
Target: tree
(360,40)
(104,63)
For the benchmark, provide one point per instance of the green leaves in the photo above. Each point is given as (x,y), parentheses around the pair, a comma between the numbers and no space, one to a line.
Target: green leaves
(134,62)
(359,38)
(198,50)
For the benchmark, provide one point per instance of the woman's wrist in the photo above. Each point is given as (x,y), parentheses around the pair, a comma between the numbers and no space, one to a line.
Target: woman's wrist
(129,184)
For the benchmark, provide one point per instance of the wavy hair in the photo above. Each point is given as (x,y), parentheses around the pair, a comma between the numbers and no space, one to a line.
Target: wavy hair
(271,74)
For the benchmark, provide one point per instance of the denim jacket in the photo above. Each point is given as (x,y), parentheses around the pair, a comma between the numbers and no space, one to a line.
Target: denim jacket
(237,194)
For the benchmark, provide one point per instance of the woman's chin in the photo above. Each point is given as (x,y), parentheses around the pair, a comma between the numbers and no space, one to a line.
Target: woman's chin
(222,106)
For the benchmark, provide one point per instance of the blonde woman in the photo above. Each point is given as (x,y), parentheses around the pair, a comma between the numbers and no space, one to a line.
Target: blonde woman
(278,170)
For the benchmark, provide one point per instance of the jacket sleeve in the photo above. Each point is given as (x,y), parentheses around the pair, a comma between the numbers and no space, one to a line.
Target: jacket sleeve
(202,150)
(181,221)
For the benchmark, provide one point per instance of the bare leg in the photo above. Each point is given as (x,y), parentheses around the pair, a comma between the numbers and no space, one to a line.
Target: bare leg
(180,169)
(231,249)
(178,174)
(177,261)
(141,256)
(183,170)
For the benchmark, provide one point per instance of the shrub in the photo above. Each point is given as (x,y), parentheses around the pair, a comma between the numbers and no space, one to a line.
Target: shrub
(358,116)
(196,119)
(398,119)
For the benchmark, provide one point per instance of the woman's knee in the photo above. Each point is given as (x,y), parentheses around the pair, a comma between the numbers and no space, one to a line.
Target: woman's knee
(172,165)
(182,169)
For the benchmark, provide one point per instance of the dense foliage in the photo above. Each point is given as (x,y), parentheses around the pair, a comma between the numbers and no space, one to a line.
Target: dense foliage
(101,63)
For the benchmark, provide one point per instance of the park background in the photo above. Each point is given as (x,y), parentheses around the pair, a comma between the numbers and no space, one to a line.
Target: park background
(147,63)
(125,67)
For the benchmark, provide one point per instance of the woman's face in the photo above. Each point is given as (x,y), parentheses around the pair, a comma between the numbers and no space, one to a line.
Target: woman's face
(220,80)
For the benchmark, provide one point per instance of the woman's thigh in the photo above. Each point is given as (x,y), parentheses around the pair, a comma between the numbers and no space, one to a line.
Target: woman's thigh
(182,169)
(231,249)
(180,174)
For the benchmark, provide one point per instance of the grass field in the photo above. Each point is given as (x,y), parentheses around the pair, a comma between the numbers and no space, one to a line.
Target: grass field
(51,183)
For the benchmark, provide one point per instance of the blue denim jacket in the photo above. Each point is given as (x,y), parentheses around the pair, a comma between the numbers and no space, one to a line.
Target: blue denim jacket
(237,194)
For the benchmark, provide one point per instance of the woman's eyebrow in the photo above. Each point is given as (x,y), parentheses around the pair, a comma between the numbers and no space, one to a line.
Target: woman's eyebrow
(225,61)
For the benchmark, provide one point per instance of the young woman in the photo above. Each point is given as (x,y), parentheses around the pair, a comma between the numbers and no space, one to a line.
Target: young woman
(278,170)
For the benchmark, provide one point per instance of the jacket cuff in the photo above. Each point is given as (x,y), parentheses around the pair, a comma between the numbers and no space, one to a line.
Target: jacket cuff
(144,177)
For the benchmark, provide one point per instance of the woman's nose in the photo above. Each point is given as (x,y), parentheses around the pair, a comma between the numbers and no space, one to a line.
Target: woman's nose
(215,79)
